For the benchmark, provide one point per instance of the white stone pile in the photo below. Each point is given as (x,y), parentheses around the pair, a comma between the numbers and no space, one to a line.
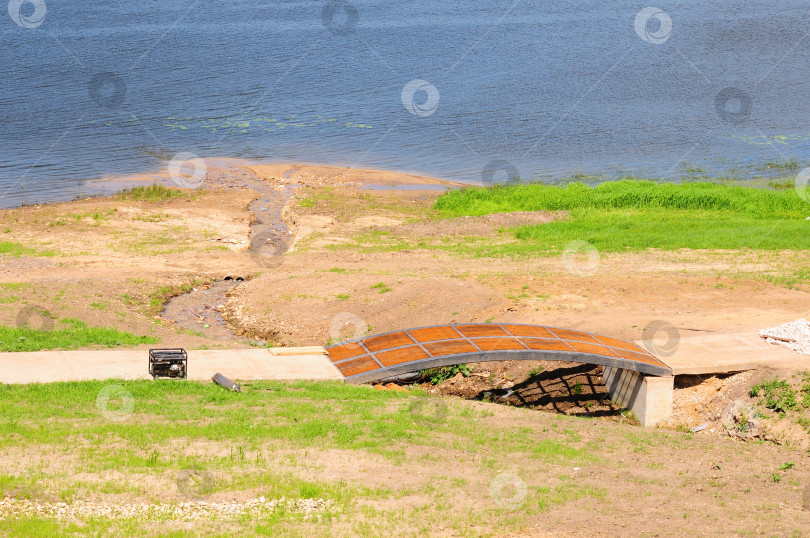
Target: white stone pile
(793,335)
(11,508)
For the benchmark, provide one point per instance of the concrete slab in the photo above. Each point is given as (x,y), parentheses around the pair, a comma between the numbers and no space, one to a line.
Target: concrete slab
(307,350)
(238,364)
(723,353)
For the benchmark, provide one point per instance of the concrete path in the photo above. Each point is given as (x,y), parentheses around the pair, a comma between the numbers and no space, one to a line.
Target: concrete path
(241,364)
(700,354)
(722,353)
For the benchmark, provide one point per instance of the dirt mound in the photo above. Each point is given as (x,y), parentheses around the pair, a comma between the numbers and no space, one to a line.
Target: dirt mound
(300,310)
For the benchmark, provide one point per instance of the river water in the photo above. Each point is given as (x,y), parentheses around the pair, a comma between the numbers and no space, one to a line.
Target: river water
(448,89)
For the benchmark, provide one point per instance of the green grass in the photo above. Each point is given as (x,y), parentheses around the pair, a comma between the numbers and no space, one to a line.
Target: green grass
(437,375)
(267,437)
(153,193)
(343,443)
(153,217)
(69,334)
(381,287)
(16,250)
(298,415)
(566,492)
(14,285)
(779,395)
(635,215)
(790,279)
(330,415)
(157,298)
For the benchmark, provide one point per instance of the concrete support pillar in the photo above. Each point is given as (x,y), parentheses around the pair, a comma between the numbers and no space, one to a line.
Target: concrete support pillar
(648,397)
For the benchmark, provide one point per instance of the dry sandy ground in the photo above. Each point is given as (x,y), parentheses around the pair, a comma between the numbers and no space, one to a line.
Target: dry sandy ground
(383,257)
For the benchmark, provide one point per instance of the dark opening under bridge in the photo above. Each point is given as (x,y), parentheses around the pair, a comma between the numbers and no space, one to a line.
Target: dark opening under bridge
(385,355)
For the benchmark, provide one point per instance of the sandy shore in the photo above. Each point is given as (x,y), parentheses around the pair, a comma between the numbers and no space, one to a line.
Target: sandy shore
(337,175)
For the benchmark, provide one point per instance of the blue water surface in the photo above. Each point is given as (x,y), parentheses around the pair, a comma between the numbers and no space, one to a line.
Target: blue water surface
(552,88)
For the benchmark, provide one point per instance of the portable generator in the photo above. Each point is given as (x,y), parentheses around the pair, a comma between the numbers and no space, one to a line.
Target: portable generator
(170,363)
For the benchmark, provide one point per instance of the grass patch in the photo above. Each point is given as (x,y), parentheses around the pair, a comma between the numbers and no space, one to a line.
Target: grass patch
(153,193)
(16,250)
(346,204)
(381,287)
(627,194)
(566,492)
(14,285)
(790,280)
(779,395)
(72,334)
(292,440)
(302,414)
(152,302)
(153,217)
(635,215)
(173,240)
(264,441)
(437,375)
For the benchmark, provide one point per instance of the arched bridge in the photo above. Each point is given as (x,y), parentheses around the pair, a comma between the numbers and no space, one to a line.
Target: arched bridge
(399,352)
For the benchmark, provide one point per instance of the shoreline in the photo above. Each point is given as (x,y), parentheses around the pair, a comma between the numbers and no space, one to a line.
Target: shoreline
(268,170)
(262,167)
(264,170)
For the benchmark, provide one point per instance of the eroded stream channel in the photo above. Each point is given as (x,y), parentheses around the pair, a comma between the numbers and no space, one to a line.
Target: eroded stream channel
(199,309)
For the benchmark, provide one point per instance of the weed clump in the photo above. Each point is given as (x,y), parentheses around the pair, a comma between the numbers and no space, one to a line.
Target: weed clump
(777,395)
(437,375)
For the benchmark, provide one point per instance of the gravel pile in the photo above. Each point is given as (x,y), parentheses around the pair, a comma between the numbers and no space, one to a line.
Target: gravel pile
(14,508)
(794,335)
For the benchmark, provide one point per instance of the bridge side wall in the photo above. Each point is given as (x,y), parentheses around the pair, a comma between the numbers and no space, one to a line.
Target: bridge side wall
(648,397)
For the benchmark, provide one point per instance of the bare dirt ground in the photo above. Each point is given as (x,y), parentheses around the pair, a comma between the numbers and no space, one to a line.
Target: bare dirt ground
(387,258)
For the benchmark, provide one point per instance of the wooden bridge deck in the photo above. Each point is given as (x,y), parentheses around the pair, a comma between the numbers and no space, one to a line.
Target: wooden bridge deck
(384,355)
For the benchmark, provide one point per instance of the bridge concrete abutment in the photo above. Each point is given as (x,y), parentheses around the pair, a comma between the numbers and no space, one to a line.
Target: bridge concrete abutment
(648,397)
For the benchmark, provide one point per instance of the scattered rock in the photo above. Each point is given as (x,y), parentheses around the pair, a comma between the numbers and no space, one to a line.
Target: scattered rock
(741,419)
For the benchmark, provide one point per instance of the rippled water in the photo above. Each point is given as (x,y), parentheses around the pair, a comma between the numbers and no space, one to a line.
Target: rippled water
(104,88)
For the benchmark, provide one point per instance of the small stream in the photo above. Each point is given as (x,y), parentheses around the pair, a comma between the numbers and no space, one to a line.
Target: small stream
(199,309)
